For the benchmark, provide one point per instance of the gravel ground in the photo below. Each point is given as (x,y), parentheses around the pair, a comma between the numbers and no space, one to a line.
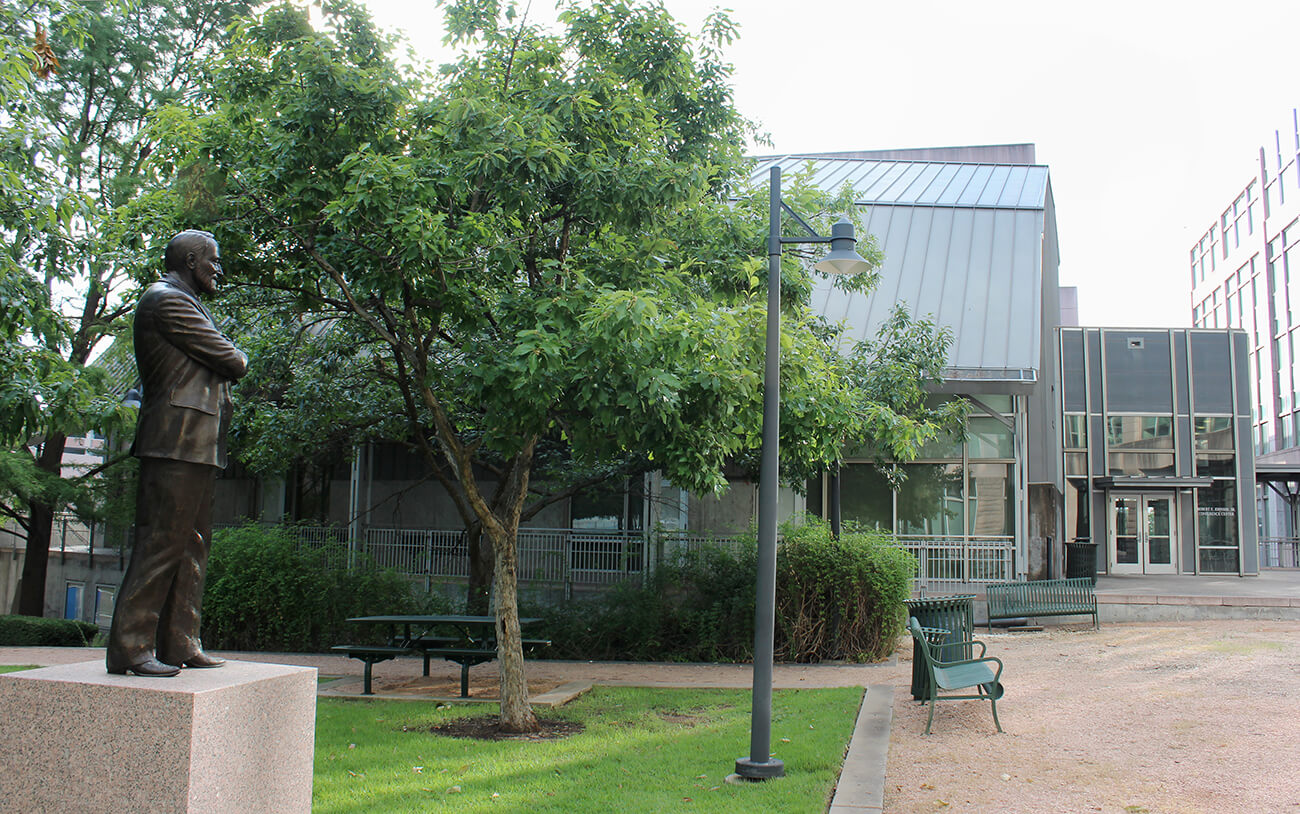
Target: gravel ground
(1151,717)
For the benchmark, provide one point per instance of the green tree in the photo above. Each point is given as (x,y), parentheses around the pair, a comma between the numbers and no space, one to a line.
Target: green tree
(80,85)
(549,244)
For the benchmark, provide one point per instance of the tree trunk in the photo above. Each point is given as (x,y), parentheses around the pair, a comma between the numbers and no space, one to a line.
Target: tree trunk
(482,571)
(31,599)
(516,713)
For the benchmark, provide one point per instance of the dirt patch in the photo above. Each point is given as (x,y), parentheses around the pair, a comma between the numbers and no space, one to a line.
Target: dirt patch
(488,728)
(482,689)
(681,719)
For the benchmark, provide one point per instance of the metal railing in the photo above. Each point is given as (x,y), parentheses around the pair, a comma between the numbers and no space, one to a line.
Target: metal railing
(595,557)
(947,562)
(1279,552)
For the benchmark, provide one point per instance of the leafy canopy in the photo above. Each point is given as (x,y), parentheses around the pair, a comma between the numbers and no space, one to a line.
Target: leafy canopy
(551,238)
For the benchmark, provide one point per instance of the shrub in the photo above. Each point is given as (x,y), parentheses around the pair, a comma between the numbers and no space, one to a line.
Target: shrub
(264,592)
(33,631)
(839,599)
(836,599)
(696,607)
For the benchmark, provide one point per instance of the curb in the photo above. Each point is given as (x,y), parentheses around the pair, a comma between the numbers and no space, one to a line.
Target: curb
(861,787)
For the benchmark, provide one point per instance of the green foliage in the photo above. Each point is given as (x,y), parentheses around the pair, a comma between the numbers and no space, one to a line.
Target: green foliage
(839,599)
(265,592)
(699,607)
(34,631)
(836,600)
(83,217)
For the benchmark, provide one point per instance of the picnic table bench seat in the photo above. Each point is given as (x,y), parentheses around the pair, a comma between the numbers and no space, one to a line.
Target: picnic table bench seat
(1041,597)
(370,655)
(977,673)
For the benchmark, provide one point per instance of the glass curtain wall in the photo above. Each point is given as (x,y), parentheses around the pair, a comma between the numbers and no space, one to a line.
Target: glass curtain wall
(955,489)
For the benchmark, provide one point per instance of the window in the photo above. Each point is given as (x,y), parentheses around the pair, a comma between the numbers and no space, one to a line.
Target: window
(1216,527)
(104,600)
(990,502)
(865,496)
(1213,432)
(1076,463)
(930,500)
(609,508)
(1125,432)
(1076,432)
(72,598)
(987,437)
(1133,464)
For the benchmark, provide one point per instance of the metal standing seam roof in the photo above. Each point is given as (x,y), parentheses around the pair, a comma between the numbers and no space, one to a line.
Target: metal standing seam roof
(963,244)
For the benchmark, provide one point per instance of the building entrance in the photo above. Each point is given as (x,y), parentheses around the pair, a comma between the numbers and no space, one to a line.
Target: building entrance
(1142,538)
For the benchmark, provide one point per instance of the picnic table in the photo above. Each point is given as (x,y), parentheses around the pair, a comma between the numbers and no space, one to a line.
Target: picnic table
(465,640)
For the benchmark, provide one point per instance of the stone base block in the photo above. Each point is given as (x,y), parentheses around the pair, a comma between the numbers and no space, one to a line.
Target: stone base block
(237,738)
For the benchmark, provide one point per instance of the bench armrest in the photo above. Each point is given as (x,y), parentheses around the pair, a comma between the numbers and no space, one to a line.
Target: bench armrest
(962,643)
(997,674)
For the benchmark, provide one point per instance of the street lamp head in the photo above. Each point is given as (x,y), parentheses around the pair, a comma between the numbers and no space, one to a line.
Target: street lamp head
(843,258)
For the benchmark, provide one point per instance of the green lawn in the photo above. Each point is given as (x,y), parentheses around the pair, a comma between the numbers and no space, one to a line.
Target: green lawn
(13,668)
(643,750)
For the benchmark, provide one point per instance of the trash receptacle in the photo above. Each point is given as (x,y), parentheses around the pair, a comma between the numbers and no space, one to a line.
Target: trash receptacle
(1081,559)
(954,614)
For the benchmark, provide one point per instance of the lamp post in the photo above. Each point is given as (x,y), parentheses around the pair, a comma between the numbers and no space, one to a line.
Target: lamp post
(842,259)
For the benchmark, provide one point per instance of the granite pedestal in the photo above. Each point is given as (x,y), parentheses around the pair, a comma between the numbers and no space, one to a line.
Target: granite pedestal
(237,738)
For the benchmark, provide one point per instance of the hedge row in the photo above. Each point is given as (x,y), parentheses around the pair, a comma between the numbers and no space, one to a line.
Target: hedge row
(33,631)
(265,592)
(837,599)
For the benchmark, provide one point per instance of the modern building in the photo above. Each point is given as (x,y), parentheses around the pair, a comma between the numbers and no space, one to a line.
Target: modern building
(1245,274)
(1135,441)
(969,240)
(1158,470)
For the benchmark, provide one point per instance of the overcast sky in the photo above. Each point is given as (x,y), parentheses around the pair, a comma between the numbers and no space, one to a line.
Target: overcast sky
(1149,114)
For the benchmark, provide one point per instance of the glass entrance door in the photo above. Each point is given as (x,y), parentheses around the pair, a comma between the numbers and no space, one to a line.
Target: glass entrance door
(1142,538)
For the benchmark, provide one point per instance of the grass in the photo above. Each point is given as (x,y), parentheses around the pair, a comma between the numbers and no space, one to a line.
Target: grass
(643,750)
(13,668)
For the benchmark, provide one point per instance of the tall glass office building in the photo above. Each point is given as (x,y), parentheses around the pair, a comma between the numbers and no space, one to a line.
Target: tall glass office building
(1245,273)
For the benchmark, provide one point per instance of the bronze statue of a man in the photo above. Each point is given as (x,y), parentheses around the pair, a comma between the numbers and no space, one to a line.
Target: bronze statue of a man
(186,368)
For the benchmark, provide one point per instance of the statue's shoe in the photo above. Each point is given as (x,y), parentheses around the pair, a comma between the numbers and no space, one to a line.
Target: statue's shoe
(201,659)
(149,667)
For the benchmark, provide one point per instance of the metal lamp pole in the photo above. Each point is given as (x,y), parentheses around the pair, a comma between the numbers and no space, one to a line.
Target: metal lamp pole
(842,259)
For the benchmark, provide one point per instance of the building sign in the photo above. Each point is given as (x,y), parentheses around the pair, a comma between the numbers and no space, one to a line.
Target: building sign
(1216,511)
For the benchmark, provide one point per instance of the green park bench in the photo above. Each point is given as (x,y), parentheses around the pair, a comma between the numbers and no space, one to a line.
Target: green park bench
(977,673)
(1041,597)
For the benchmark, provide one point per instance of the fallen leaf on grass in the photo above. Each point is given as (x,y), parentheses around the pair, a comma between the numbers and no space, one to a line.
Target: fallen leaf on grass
(454,790)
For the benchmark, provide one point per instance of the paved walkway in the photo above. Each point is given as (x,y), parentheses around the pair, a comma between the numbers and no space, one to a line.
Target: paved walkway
(1275,595)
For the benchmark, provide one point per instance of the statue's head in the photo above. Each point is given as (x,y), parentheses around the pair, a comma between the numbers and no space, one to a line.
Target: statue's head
(196,258)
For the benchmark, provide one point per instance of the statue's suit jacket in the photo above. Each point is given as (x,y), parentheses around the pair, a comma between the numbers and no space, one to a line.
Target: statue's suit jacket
(186,367)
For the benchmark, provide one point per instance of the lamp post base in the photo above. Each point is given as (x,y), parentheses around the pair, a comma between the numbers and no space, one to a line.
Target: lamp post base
(748,769)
